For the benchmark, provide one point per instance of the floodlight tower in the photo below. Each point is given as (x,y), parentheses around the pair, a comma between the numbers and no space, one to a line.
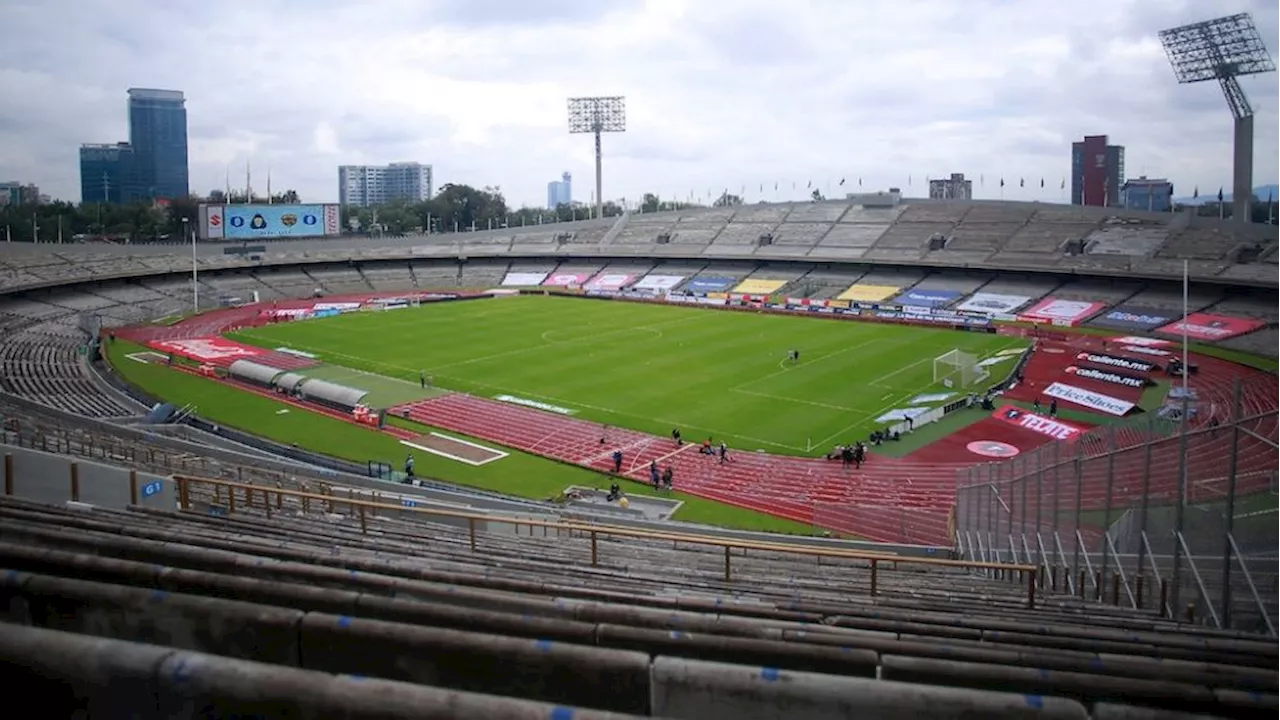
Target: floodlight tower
(1223,50)
(598,115)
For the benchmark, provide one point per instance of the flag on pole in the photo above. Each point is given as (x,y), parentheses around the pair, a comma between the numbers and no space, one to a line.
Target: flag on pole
(982,180)
(841,182)
(1219,194)
(859,182)
(810,185)
(1022,182)
(1001,182)
(1063,186)
(1041,183)
(1195,195)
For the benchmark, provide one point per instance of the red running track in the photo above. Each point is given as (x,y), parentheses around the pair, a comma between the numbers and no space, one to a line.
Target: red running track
(888,499)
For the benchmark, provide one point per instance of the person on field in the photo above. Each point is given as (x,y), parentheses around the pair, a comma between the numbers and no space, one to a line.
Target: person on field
(724,452)
(846,457)
(655,475)
(408,465)
(706,447)
(668,476)
(675,435)
(859,454)
(1036,405)
(1053,408)
(617,461)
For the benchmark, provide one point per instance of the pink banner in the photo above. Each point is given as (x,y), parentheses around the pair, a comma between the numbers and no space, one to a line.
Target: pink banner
(610,281)
(216,350)
(1060,311)
(566,279)
(1203,326)
(1049,427)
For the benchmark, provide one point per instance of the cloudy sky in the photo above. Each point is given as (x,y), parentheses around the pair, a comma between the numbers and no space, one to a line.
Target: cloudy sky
(721,94)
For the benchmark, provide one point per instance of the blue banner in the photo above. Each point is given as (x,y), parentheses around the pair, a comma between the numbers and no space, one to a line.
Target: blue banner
(927,298)
(256,221)
(707,284)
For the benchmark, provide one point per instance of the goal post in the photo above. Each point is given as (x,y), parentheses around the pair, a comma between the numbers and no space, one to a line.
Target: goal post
(956,369)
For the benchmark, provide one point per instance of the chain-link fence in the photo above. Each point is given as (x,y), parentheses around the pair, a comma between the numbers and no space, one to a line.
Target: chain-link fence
(1179,517)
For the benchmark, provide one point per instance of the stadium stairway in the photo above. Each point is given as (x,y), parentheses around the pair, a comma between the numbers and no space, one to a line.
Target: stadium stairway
(174,614)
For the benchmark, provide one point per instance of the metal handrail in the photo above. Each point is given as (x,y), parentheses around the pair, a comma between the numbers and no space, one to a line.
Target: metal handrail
(1248,577)
(1195,573)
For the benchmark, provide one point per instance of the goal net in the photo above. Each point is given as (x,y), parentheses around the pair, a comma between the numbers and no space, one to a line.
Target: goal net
(955,369)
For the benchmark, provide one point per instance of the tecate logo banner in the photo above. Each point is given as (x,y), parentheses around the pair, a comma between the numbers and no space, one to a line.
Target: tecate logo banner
(1107,376)
(1113,361)
(1089,399)
(1049,427)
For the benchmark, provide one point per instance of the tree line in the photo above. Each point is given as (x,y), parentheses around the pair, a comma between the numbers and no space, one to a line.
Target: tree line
(454,208)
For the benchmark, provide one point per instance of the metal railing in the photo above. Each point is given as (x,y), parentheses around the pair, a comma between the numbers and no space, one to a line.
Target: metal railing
(1190,506)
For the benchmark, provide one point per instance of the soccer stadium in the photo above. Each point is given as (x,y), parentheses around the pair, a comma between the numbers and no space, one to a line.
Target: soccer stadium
(870,457)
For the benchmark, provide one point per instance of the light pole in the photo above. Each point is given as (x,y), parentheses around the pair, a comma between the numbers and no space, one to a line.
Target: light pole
(195,285)
(598,115)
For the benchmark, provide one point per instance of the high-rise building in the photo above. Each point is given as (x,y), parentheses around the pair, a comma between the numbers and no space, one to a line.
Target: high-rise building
(158,134)
(560,192)
(365,185)
(1143,193)
(152,165)
(109,174)
(15,193)
(1097,172)
(952,188)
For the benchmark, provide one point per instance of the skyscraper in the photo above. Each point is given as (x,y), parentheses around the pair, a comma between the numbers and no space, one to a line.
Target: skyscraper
(109,174)
(1097,172)
(152,165)
(560,192)
(365,185)
(158,134)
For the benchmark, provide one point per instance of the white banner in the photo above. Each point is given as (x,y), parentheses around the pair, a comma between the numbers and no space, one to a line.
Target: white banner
(1144,350)
(1089,399)
(520,279)
(658,282)
(1144,341)
(993,303)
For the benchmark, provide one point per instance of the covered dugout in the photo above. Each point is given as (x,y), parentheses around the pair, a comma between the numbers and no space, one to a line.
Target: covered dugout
(256,373)
(332,394)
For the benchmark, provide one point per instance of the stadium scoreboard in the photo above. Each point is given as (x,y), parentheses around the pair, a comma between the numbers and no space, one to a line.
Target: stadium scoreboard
(253,221)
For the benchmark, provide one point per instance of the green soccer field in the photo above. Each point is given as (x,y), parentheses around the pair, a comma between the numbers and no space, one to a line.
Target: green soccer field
(647,367)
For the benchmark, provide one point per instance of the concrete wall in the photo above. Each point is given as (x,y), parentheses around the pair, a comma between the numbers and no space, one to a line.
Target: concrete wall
(47,478)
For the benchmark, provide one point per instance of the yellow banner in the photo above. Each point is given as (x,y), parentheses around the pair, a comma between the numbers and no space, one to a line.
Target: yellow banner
(868,293)
(759,287)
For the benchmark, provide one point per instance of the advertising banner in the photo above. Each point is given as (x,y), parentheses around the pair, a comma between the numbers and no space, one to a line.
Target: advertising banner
(1108,376)
(927,298)
(566,279)
(993,303)
(1204,326)
(213,222)
(610,281)
(1143,341)
(1060,311)
(1133,317)
(658,283)
(524,279)
(262,221)
(1089,399)
(1049,427)
(214,349)
(710,283)
(1146,350)
(1141,366)
(332,220)
(339,306)
(758,286)
(868,293)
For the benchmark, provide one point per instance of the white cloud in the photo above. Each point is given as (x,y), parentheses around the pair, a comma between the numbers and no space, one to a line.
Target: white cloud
(768,92)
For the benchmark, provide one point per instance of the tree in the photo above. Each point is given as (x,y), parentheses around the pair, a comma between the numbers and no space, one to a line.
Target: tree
(727,200)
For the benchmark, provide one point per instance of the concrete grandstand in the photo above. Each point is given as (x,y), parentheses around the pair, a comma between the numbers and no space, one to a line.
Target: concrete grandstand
(178,551)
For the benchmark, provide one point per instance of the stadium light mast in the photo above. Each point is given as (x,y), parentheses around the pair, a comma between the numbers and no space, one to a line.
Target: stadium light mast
(598,115)
(1224,49)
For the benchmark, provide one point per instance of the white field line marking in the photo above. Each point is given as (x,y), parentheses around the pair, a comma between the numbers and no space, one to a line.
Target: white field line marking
(497,455)
(879,382)
(798,401)
(807,363)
